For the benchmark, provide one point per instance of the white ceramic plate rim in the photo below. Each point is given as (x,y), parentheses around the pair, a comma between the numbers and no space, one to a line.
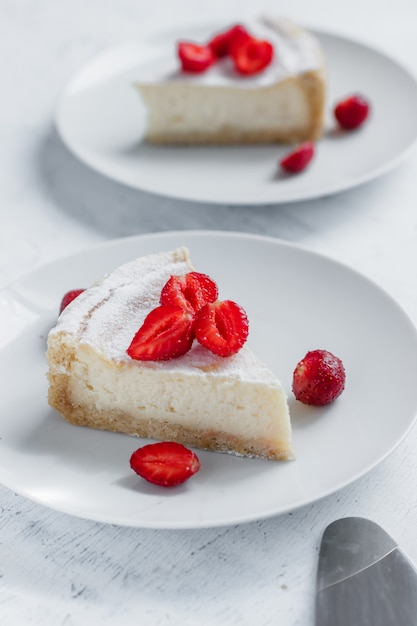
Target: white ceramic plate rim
(237,175)
(54,463)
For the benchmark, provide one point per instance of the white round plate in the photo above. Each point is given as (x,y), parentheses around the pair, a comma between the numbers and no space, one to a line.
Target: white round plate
(296,301)
(101,119)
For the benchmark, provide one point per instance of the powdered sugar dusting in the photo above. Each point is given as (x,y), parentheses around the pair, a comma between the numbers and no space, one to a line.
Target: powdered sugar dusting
(108,314)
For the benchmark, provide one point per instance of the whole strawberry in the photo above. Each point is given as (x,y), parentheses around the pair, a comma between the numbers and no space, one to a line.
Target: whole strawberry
(319,378)
(352,112)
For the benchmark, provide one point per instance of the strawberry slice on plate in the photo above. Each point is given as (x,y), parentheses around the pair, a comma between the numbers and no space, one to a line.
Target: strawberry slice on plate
(298,159)
(222,327)
(166,333)
(166,463)
(190,291)
(195,57)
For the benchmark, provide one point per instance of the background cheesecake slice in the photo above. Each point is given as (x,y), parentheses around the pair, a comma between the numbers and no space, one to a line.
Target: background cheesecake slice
(232,404)
(283,103)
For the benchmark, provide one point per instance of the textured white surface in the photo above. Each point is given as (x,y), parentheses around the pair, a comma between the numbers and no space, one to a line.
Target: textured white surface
(57,570)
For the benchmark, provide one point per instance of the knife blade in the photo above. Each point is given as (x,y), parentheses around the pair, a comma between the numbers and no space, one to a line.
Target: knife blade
(363,577)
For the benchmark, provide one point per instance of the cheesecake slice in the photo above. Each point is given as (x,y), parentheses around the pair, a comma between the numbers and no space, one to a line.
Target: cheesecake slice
(283,103)
(229,404)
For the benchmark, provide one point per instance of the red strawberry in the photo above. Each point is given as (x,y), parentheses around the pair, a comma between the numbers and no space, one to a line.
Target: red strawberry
(319,378)
(195,58)
(69,297)
(166,333)
(252,55)
(298,159)
(191,291)
(165,463)
(222,327)
(351,112)
(222,43)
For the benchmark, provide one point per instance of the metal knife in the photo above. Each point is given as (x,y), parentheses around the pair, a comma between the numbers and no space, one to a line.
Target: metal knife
(363,578)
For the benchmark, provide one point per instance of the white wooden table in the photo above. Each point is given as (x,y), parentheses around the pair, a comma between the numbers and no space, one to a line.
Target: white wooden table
(59,570)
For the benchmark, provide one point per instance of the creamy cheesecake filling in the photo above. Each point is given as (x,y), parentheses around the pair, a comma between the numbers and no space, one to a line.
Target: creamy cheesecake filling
(137,392)
(184,109)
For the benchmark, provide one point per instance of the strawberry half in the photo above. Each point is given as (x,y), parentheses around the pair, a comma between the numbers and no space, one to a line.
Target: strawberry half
(69,297)
(222,43)
(191,291)
(222,327)
(319,378)
(251,56)
(194,57)
(166,463)
(298,159)
(166,333)
(351,112)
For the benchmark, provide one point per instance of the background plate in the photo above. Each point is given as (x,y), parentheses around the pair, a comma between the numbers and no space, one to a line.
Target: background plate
(101,119)
(296,301)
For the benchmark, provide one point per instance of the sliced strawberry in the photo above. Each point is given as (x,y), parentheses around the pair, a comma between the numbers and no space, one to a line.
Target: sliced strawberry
(166,333)
(165,463)
(319,378)
(190,291)
(69,297)
(222,327)
(222,43)
(298,159)
(194,57)
(239,37)
(251,56)
(351,112)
